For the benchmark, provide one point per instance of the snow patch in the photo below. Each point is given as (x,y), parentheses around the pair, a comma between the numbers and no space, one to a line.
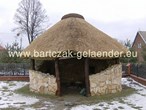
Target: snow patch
(10,99)
(137,100)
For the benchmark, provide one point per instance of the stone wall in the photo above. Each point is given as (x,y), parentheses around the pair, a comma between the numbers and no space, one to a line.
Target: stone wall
(107,81)
(42,83)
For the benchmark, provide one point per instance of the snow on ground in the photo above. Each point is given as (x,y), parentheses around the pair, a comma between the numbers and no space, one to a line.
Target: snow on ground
(115,105)
(10,99)
(136,101)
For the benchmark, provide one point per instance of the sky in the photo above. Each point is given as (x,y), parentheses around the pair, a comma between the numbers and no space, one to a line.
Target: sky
(120,19)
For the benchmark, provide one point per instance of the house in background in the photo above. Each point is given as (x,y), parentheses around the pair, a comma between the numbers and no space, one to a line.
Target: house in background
(1,48)
(139,43)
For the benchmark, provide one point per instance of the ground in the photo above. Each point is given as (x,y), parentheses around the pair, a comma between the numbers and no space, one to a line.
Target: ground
(10,99)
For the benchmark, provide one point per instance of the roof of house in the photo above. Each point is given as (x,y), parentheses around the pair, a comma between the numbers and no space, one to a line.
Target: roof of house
(72,32)
(143,35)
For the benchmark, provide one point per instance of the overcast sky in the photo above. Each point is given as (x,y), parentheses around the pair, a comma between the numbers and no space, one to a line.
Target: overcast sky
(120,19)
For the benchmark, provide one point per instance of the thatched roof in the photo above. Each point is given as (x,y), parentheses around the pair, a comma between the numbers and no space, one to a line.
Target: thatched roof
(76,34)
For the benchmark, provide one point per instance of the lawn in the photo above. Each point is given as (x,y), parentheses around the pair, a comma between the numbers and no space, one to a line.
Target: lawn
(16,95)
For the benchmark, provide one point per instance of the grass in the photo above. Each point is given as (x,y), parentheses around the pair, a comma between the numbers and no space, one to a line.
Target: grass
(120,107)
(106,108)
(121,101)
(5,87)
(110,103)
(11,109)
(137,107)
(25,91)
(12,84)
(81,99)
(126,91)
(134,106)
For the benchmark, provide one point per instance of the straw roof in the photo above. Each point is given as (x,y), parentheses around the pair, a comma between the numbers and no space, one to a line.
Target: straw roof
(72,32)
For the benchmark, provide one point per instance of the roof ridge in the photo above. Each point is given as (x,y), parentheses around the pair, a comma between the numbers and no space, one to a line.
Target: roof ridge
(142,35)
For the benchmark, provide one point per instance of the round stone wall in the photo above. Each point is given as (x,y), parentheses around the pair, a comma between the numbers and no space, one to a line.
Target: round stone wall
(42,83)
(107,81)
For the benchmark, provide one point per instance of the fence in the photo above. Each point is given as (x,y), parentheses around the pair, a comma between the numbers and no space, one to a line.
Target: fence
(124,70)
(135,71)
(138,70)
(14,69)
(21,69)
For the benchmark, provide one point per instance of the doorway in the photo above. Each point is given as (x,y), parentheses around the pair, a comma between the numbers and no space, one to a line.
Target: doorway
(72,76)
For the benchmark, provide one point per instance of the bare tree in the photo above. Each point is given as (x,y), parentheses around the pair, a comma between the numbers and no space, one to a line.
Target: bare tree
(30,19)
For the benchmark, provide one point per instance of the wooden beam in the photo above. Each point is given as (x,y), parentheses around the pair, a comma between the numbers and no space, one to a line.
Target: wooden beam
(32,64)
(87,77)
(58,92)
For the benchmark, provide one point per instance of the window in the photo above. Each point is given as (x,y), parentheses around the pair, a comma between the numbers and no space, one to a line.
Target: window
(139,45)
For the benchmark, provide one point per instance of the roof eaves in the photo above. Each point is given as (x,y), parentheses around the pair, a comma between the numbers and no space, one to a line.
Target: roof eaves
(142,37)
(134,39)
